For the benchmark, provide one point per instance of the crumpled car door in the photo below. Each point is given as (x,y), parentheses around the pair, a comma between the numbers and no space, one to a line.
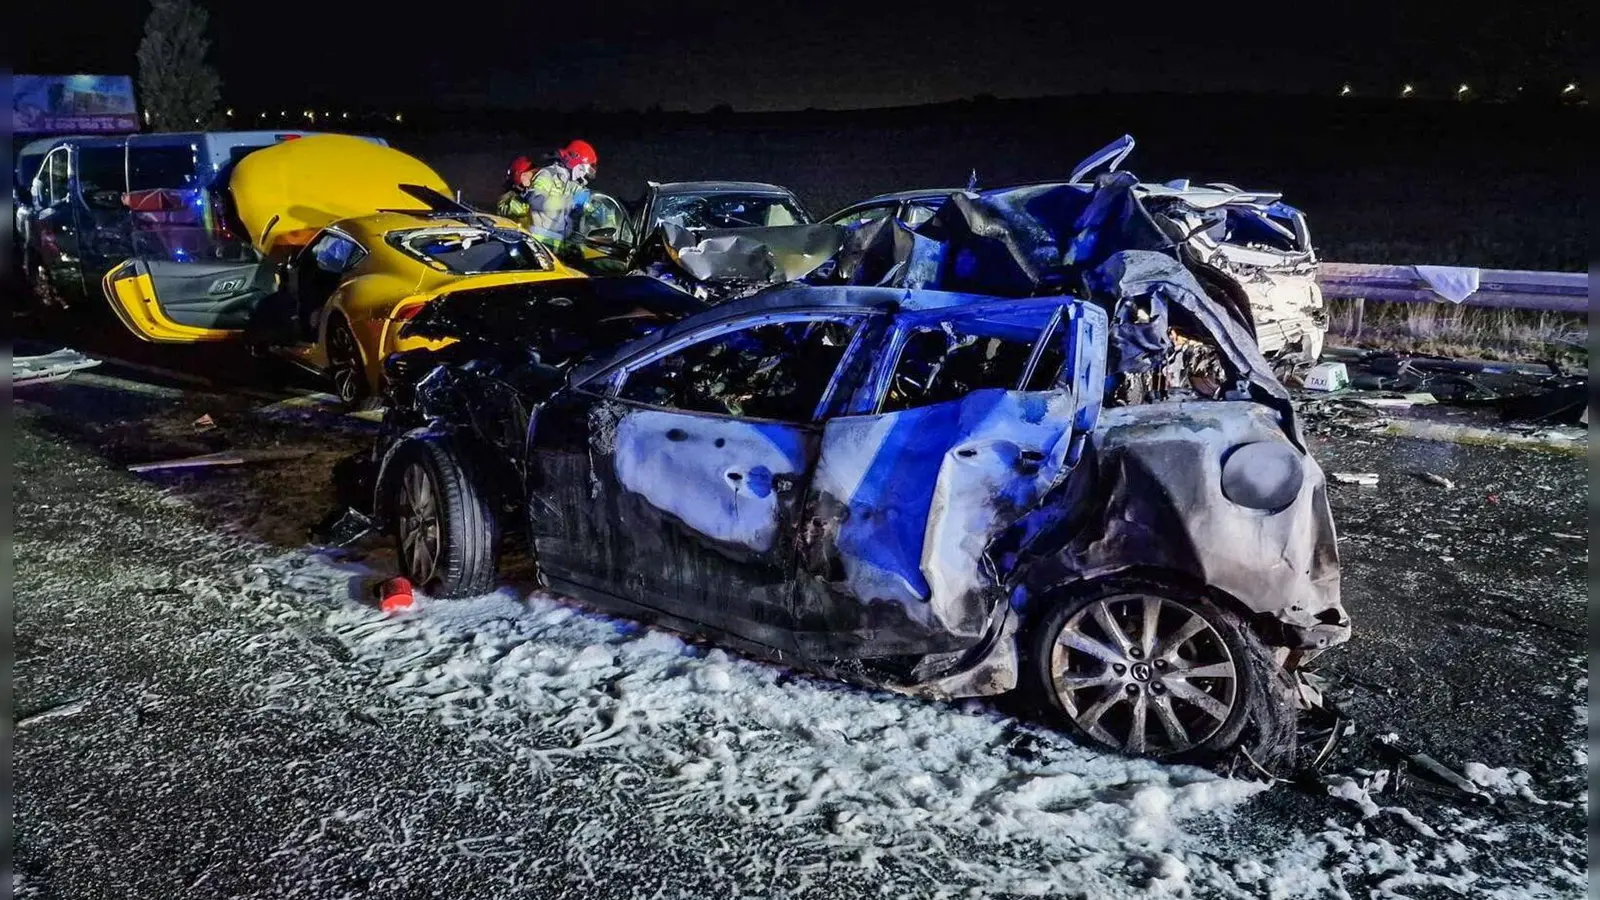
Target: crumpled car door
(903,505)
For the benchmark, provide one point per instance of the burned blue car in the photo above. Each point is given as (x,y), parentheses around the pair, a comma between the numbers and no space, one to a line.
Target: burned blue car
(942,493)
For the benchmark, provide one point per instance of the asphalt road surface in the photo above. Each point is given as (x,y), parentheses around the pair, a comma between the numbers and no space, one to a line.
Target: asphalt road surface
(206,706)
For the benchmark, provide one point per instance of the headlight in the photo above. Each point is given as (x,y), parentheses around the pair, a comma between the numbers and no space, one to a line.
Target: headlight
(1265,475)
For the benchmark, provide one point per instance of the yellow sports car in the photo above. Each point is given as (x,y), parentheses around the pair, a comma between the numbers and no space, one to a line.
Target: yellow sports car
(353,239)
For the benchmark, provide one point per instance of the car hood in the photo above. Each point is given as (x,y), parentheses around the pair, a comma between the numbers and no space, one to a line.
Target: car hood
(287,192)
(771,254)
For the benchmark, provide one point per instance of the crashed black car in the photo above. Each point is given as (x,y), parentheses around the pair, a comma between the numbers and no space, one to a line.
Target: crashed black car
(715,239)
(928,491)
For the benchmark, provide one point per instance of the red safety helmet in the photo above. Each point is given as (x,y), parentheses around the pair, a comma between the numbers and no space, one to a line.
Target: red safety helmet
(519,165)
(577,153)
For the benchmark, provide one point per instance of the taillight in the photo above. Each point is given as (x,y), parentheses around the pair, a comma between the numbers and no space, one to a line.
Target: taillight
(406,313)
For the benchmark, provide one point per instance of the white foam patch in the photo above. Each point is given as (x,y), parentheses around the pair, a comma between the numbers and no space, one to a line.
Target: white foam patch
(897,787)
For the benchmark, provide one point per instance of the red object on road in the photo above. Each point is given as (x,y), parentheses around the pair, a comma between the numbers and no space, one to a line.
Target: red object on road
(394,594)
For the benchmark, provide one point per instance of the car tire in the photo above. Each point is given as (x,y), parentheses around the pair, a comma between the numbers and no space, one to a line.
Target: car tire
(346,370)
(447,534)
(1090,683)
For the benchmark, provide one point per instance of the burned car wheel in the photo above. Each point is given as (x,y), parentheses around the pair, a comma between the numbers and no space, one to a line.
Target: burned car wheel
(1147,669)
(445,529)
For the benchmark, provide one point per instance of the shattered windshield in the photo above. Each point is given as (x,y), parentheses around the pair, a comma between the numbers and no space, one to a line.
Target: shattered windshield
(727,211)
(471,251)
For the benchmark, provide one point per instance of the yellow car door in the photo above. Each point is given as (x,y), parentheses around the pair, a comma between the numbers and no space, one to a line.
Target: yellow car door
(169,302)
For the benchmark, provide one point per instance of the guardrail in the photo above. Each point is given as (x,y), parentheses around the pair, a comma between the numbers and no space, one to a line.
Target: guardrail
(1566,292)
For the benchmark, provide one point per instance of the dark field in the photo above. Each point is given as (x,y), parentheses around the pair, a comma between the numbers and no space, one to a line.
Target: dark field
(1492,185)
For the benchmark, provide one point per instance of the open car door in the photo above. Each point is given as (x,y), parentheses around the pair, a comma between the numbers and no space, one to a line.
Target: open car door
(170,302)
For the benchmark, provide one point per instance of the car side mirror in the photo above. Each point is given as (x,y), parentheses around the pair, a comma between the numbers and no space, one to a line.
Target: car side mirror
(604,234)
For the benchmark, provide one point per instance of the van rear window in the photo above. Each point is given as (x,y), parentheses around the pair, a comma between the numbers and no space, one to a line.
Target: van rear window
(171,168)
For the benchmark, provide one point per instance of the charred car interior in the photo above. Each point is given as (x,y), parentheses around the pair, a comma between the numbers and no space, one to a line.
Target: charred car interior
(986,456)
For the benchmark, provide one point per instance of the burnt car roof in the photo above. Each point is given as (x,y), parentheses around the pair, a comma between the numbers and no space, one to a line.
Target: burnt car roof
(721,187)
(493,314)
(795,298)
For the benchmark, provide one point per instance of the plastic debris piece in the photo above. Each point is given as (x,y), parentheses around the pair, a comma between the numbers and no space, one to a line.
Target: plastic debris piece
(1327,377)
(224,458)
(60,710)
(393,595)
(48,367)
(1439,480)
(1405,401)
(1367,478)
(204,423)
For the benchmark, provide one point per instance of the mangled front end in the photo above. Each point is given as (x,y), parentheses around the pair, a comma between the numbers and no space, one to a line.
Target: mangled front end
(1255,251)
(727,263)
(1195,479)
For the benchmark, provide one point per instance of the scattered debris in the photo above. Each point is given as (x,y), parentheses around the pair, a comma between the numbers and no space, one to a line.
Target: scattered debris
(1548,439)
(1404,401)
(1430,768)
(223,458)
(48,366)
(1367,478)
(60,710)
(341,528)
(204,423)
(1439,480)
(1327,377)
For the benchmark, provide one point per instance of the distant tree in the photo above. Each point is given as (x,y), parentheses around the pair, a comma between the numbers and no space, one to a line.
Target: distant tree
(179,88)
(722,109)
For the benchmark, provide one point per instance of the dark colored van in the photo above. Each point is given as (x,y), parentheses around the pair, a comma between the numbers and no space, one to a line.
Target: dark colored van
(86,203)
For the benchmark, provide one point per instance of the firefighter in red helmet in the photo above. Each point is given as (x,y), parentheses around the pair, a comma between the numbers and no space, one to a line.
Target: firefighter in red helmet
(513,204)
(550,198)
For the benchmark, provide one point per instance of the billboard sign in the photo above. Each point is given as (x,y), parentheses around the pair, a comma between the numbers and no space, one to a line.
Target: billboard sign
(55,104)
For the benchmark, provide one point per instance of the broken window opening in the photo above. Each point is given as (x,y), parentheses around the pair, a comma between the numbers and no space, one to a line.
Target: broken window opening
(471,251)
(946,361)
(777,371)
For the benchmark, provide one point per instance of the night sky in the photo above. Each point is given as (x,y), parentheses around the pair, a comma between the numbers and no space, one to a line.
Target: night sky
(688,54)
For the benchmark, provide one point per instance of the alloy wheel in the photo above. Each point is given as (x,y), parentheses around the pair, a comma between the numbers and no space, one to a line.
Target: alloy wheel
(419,524)
(344,363)
(1145,674)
